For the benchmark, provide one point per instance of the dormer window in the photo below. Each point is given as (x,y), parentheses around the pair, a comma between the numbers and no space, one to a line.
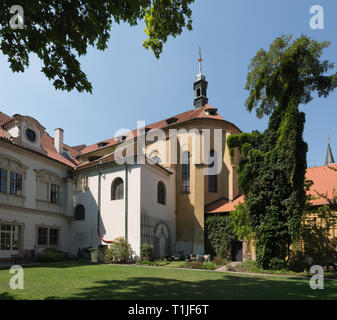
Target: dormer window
(94,158)
(122,138)
(102,144)
(211,112)
(30,134)
(171,120)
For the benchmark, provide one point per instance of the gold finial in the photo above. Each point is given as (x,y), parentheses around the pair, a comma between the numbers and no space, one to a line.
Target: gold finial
(329,139)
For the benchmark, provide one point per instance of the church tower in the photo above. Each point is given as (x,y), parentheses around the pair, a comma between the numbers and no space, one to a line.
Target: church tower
(329,157)
(200,87)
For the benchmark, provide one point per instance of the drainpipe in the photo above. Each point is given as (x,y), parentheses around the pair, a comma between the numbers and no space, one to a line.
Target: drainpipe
(126,200)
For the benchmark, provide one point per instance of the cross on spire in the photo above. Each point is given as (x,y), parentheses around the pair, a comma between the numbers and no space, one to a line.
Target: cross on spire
(200,86)
(200,61)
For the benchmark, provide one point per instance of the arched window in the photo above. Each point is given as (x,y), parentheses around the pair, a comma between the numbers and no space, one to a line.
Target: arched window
(212,178)
(185,172)
(79,212)
(161,193)
(117,189)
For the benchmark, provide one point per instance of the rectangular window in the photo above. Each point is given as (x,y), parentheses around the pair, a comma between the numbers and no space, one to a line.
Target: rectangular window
(10,237)
(186,178)
(55,193)
(5,241)
(53,237)
(185,185)
(212,183)
(16,184)
(48,236)
(84,183)
(3,180)
(42,236)
(212,178)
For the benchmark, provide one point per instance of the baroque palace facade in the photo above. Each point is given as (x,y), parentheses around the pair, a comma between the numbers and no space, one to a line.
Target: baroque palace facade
(53,195)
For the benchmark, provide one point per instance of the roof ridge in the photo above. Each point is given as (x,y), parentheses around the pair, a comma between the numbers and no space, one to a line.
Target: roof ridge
(193,114)
(324,165)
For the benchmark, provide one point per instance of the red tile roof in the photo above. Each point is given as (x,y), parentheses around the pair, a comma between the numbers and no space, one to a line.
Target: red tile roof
(3,134)
(47,144)
(79,148)
(4,118)
(324,178)
(200,113)
(223,205)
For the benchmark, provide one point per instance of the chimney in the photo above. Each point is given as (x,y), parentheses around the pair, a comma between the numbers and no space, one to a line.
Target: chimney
(58,140)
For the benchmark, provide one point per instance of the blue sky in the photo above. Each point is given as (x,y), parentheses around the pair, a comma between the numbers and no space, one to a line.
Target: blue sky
(130,84)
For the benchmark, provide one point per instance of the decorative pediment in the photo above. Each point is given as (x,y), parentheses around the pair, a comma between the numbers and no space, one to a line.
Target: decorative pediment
(30,122)
(12,164)
(48,176)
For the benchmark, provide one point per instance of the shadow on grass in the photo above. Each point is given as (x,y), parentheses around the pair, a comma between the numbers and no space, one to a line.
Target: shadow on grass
(6,296)
(61,265)
(229,287)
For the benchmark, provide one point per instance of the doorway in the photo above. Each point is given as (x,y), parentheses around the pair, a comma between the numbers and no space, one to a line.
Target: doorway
(237,249)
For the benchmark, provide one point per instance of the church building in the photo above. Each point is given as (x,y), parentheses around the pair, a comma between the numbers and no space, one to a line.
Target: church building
(53,195)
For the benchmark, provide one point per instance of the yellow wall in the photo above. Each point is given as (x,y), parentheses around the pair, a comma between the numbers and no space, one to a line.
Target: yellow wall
(190,208)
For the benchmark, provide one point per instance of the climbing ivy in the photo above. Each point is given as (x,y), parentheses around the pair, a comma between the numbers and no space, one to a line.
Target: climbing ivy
(220,235)
(273,163)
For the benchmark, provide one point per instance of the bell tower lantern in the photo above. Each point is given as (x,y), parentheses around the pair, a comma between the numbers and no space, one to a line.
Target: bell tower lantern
(200,87)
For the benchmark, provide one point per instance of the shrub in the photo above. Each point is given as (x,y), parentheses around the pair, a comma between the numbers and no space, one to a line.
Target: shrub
(52,255)
(83,253)
(220,261)
(208,266)
(298,262)
(276,264)
(230,268)
(151,263)
(120,251)
(193,265)
(146,252)
(246,266)
(200,265)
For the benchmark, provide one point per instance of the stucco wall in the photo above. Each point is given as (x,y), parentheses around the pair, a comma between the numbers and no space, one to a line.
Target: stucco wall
(150,177)
(25,209)
(112,222)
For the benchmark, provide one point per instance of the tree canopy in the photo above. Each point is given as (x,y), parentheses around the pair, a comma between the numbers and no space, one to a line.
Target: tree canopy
(273,163)
(60,31)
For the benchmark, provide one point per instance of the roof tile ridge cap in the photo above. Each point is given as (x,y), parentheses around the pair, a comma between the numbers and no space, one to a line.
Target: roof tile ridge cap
(6,115)
(137,129)
(322,166)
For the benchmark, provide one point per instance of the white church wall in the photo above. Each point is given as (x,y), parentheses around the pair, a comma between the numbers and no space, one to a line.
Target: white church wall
(112,222)
(149,203)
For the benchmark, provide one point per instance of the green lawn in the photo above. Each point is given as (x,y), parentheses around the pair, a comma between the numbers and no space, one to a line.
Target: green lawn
(83,281)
